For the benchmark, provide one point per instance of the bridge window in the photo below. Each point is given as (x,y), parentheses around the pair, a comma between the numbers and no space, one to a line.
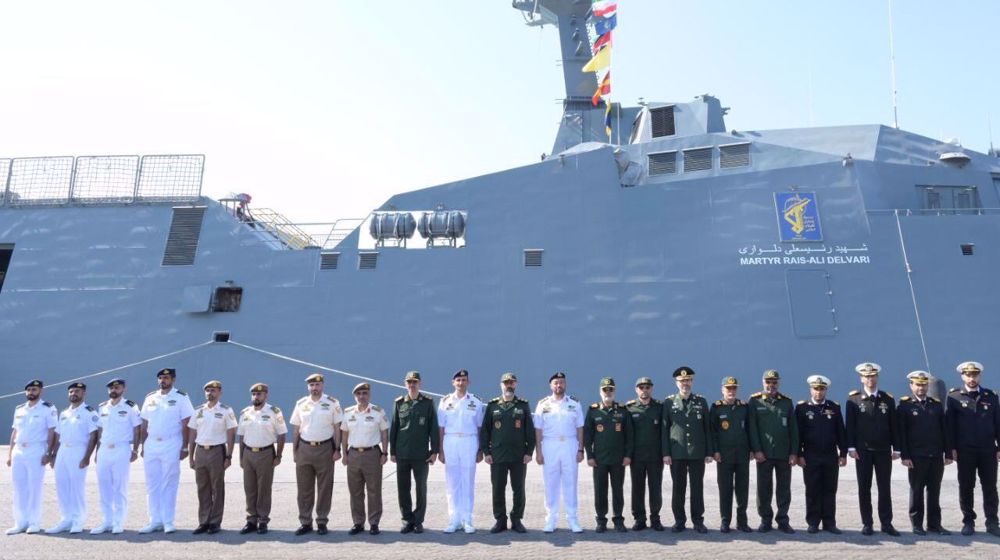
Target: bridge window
(6,251)
(948,199)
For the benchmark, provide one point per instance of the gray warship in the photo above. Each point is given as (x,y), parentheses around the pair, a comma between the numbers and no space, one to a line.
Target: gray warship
(682,243)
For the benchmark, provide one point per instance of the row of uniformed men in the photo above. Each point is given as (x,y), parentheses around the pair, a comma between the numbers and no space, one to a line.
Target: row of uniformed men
(643,434)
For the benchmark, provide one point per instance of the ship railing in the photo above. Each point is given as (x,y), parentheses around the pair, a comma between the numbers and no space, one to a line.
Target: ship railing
(125,179)
(934,211)
(281,233)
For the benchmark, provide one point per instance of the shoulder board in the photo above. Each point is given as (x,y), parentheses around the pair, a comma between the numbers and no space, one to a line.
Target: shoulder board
(422,397)
(473,395)
(932,399)
(697,396)
(225,406)
(654,401)
(90,408)
(400,398)
(247,409)
(595,405)
(182,393)
(955,390)
(446,397)
(47,403)
(351,408)
(520,400)
(802,402)
(740,403)
(20,405)
(987,392)
(904,399)
(376,408)
(630,403)
(150,394)
(495,400)
(543,399)
(834,403)
(718,402)
(572,398)
(758,394)
(854,393)
(784,396)
(888,394)
(275,409)
(130,403)
(104,403)
(200,406)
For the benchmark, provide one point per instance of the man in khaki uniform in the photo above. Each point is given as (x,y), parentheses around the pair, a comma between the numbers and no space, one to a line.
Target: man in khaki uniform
(261,426)
(315,449)
(364,434)
(213,431)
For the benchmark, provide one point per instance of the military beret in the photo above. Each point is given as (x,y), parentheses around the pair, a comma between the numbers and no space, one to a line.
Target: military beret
(818,381)
(771,374)
(115,381)
(167,371)
(557,375)
(643,381)
(868,369)
(315,378)
(919,377)
(969,367)
(683,372)
(607,382)
(76,385)
(34,383)
(460,373)
(508,377)
(361,387)
(259,388)
(412,376)
(730,382)
(213,384)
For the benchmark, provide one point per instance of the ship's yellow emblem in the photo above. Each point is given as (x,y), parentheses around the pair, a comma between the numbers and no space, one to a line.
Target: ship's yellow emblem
(795,209)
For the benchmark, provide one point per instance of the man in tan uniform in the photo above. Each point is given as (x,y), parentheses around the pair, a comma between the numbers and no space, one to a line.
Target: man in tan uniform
(213,431)
(261,426)
(364,434)
(315,449)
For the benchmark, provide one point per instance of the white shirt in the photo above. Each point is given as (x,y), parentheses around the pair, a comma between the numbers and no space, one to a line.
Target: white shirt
(76,424)
(165,413)
(364,427)
(558,418)
(33,422)
(260,428)
(317,420)
(212,423)
(461,415)
(118,421)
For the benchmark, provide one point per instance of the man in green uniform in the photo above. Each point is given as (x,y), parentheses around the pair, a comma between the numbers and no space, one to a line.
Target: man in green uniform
(647,461)
(774,440)
(607,439)
(507,440)
(413,446)
(687,448)
(731,441)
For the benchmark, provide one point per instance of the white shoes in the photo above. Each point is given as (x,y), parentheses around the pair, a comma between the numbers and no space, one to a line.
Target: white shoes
(574,526)
(169,528)
(16,529)
(469,529)
(117,529)
(63,525)
(151,528)
(76,528)
(100,529)
(550,526)
(452,527)
(33,529)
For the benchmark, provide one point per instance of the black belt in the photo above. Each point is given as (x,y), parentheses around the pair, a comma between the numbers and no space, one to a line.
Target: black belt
(363,449)
(259,449)
(207,447)
(315,443)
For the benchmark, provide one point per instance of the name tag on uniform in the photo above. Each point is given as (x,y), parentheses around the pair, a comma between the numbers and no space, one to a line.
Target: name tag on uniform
(618,427)
(517,424)
(784,421)
(421,421)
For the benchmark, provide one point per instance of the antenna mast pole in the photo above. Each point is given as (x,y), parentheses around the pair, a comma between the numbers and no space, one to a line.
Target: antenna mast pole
(892,63)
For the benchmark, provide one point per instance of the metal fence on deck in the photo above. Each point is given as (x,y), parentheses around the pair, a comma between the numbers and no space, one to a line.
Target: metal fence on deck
(100,179)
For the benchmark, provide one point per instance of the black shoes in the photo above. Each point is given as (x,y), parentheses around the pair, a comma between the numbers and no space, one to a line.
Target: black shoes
(374,530)
(993,530)
(968,529)
(939,530)
(786,528)
(656,525)
(724,528)
(499,527)
(248,528)
(867,530)
(812,529)
(418,528)
(639,525)
(677,528)
(355,529)
(601,527)
(517,526)
(890,530)
(303,529)
(407,528)
(744,527)
(919,531)
(701,528)
(321,529)
(203,528)
(213,529)
(620,526)
(262,529)
(764,528)
(832,529)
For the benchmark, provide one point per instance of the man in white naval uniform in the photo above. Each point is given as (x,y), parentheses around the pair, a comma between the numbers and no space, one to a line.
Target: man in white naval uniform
(76,438)
(117,448)
(460,415)
(31,441)
(165,415)
(558,422)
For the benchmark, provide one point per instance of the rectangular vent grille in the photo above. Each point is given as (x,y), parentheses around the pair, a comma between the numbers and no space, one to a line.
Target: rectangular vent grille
(734,155)
(663,121)
(698,159)
(532,258)
(663,163)
(367,261)
(182,241)
(328,261)
(967,249)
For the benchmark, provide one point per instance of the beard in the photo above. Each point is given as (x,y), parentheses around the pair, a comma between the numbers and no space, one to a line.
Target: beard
(508,393)
(113,395)
(32,397)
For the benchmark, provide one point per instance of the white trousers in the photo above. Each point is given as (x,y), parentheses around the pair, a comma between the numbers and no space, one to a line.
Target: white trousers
(560,475)
(460,475)
(112,481)
(163,473)
(27,474)
(71,482)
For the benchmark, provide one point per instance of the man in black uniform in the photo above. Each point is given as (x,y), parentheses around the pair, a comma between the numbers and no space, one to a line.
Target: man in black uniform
(729,420)
(973,419)
(822,451)
(507,440)
(607,439)
(871,436)
(414,443)
(923,440)
(647,461)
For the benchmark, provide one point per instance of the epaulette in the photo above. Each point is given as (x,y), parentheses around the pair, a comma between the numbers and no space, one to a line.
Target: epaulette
(718,402)
(246,409)
(495,399)
(275,409)
(834,403)
(400,398)
(904,399)
(105,402)
(446,397)
(854,393)
(954,390)
(520,400)
(421,397)
(226,406)
(888,394)
(130,403)
(630,403)
(544,399)
(987,392)
(200,406)
(933,400)
(572,398)
(376,408)
(351,408)
(654,401)
(802,402)
(595,405)
(151,393)
(22,404)
(783,396)
(90,408)
(756,395)
(302,400)
(739,402)
(182,393)
(48,404)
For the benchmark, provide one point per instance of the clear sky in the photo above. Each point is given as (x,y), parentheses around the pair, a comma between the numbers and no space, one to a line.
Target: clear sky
(323,109)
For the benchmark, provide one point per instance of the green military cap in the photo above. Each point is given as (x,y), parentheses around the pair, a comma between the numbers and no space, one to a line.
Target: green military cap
(259,388)
(76,385)
(508,377)
(167,371)
(683,372)
(315,378)
(607,382)
(919,377)
(361,387)
(213,385)
(34,383)
(643,381)
(412,376)
(771,374)
(730,382)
